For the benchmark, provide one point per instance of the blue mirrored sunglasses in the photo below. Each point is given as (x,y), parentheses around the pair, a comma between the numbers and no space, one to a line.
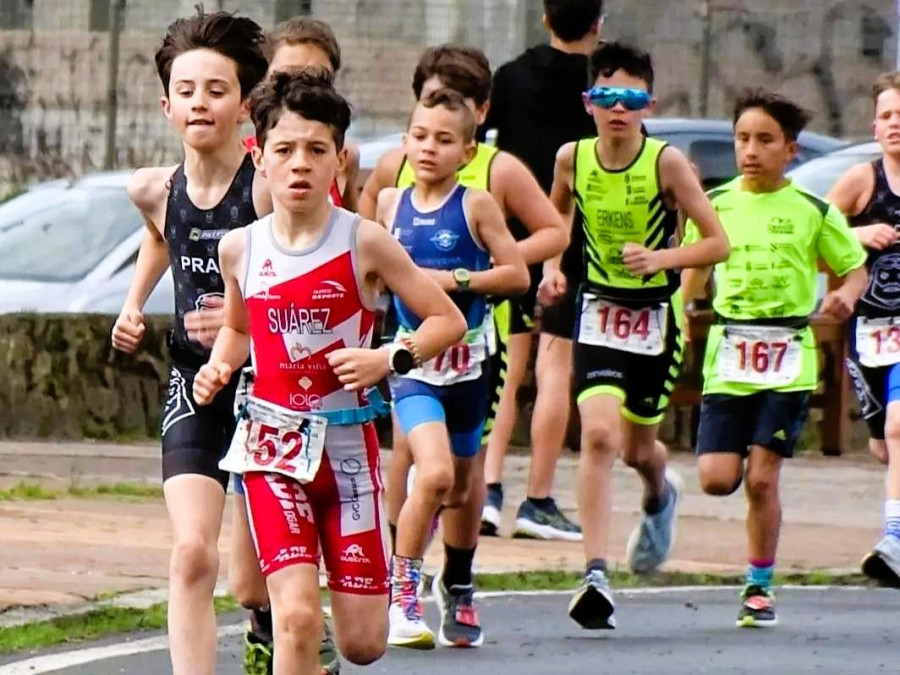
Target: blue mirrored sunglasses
(606,97)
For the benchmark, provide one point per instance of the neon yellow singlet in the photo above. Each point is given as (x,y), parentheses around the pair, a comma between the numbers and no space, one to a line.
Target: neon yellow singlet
(617,207)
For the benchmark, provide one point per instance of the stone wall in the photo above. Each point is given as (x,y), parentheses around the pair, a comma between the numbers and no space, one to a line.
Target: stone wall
(62,378)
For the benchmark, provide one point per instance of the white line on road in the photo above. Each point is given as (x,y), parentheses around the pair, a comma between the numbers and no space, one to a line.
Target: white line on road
(77,657)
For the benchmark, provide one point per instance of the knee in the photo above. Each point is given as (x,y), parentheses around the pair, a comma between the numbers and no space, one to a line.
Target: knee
(719,485)
(879,450)
(194,560)
(600,440)
(761,487)
(435,479)
(638,455)
(248,586)
(892,429)
(298,626)
(363,647)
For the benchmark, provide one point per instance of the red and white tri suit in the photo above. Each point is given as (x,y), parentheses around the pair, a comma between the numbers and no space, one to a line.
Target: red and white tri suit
(303,305)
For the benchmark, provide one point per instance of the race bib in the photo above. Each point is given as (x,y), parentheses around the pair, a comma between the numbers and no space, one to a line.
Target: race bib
(764,355)
(461,363)
(878,341)
(273,439)
(490,330)
(606,324)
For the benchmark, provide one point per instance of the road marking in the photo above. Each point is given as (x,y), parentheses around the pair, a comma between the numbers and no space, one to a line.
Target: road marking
(79,657)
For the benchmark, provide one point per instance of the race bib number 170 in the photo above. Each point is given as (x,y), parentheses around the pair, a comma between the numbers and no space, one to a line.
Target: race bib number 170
(606,324)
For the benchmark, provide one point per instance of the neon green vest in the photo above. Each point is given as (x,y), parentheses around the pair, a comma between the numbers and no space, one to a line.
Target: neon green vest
(475,174)
(617,207)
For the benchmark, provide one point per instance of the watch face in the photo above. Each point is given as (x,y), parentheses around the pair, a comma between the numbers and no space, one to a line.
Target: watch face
(403,361)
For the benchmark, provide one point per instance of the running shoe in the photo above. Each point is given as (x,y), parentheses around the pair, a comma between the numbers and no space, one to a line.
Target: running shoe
(651,541)
(592,606)
(533,522)
(757,608)
(490,514)
(460,626)
(883,563)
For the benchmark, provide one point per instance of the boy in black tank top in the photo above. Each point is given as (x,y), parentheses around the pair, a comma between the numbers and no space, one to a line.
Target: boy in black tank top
(869,194)
(207,64)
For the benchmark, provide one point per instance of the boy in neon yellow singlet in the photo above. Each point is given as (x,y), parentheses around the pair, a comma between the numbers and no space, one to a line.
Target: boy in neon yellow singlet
(761,361)
(625,191)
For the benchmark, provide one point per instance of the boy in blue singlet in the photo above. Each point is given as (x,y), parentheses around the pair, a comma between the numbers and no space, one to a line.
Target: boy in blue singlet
(454,233)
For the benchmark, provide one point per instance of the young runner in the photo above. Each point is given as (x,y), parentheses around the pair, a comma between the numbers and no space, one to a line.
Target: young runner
(207,64)
(466,70)
(536,108)
(628,350)
(869,194)
(761,359)
(302,42)
(296,43)
(300,288)
(454,233)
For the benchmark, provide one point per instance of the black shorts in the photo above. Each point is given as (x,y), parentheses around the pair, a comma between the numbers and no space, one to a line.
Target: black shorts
(870,385)
(521,319)
(559,319)
(502,314)
(643,383)
(194,437)
(772,419)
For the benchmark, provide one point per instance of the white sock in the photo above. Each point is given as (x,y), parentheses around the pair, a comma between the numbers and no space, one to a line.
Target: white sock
(892,518)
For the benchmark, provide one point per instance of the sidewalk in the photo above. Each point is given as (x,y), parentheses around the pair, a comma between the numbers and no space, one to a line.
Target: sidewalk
(71,550)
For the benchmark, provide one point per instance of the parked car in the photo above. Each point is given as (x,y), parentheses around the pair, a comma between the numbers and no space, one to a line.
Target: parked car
(707,143)
(819,174)
(71,246)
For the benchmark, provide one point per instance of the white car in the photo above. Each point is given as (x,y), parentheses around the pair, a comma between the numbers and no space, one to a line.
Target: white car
(71,246)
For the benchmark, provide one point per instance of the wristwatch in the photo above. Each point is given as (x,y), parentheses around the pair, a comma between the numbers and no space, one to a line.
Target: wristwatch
(462,278)
(400,358)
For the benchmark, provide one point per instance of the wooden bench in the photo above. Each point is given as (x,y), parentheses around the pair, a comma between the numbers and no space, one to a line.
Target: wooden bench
(832,396)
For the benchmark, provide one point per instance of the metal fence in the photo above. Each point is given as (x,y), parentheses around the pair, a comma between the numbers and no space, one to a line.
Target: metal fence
(78,91)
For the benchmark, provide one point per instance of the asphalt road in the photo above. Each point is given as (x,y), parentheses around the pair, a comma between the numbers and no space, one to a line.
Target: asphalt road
(839,631)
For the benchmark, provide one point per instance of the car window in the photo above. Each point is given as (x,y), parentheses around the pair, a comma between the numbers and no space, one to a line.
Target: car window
(63,235)
(821,173)
(715,160)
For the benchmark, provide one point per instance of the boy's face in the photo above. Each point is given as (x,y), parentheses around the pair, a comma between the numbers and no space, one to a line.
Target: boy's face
(434,83)
(204,102)
(760,146)
(887,121)
(617,121)
(299,160)
(434,144)
(298,56)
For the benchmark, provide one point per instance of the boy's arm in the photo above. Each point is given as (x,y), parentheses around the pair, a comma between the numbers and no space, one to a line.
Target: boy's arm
(146,189)
(386,208)
(509,274)
(232,345)
(443,325)
(850,194)
(521,197)
(383,176)
(679,180)
(553,285)
(846,257)
(350,194)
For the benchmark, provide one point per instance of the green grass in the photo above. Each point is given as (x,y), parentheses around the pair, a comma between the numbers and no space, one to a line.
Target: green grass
(27,491)
(123,491)
(92,625)
(110,620)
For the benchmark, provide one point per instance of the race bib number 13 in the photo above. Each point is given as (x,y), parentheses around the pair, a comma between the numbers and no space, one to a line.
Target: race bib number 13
(606,324)
(763,355)
(878,341)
